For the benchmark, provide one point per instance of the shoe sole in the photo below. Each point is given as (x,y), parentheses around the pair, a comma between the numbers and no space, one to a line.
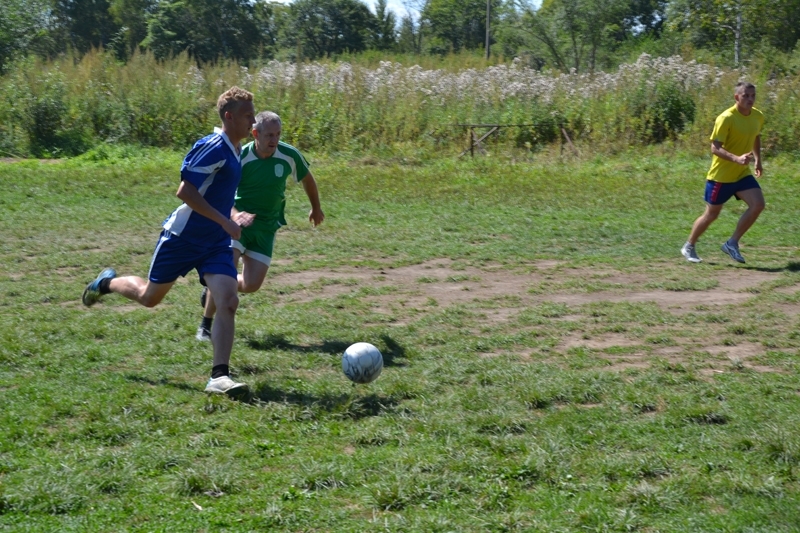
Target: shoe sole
(83,298)
(240,392)
(237,392)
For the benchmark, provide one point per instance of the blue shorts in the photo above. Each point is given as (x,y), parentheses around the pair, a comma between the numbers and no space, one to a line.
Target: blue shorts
(175,257)
(718,193)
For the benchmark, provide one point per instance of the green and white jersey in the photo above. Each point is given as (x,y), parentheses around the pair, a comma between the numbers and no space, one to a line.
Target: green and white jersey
(262,190)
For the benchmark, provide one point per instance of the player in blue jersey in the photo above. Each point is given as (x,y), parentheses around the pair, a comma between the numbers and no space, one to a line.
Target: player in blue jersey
(197,235)
(267,164)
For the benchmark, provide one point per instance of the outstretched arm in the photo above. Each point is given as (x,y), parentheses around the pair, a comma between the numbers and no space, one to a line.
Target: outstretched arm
(316,216)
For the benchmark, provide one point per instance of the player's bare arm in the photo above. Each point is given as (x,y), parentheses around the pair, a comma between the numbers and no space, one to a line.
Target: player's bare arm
(757,154)
(316,216)
(192,197)
(719,151)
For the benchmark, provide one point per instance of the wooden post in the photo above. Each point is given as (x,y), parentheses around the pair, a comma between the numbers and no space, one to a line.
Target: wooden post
(488,18)
(472,142)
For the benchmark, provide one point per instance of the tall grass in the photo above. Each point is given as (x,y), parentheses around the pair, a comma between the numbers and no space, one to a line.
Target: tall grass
(66,106)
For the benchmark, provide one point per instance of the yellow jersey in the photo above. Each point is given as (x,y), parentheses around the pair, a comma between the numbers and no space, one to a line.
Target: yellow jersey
(737,133)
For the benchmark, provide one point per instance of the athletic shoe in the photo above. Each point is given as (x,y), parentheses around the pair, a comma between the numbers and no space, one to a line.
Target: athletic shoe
(203,334)
(203,296)
(92,292)
(690,253)
(225,385)
(733,251)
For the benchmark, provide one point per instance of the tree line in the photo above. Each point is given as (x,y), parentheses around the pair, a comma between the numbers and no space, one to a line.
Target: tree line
(579,35)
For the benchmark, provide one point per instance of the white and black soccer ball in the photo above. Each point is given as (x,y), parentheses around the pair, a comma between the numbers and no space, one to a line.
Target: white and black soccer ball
(362,362)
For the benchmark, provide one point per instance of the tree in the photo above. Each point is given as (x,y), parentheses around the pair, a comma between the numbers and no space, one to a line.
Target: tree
(575,33)
(458,24)
(21,23)
(737,25)
(86,24)
(385,37)
(131,18)
(208,29)
(409,36)
(328,27)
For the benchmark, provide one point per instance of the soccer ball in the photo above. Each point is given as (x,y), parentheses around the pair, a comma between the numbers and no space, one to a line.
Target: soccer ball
(362,362)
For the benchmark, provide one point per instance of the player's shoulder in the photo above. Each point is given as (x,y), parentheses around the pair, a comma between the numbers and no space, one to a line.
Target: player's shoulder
(728,113)
(288,149)
(248,149)
(757,113)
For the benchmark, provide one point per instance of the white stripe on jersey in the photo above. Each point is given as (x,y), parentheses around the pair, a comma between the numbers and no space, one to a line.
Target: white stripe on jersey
(177,221)
(210,169)
(290,161)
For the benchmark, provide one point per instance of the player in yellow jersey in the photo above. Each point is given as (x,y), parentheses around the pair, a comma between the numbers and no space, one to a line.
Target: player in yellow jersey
(735,143)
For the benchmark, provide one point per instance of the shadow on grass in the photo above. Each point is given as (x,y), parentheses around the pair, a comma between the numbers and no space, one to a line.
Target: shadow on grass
(352,406)
(162,382)
(392,351)
(791,266)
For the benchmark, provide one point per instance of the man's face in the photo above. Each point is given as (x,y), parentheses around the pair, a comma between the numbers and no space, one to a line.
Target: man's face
(745,98)
(267,138)
(242,119)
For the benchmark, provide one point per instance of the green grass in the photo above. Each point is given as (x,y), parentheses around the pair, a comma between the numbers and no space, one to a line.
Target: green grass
(552,363)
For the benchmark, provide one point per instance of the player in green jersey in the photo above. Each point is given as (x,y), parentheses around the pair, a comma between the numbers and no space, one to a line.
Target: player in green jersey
(267,163)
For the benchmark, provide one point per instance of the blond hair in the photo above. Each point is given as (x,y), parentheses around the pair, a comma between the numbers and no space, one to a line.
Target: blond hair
(230,100)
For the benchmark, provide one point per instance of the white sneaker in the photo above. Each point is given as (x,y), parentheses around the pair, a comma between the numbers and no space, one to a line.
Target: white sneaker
(690,253)
(225,385)
(733,251)
(203,334)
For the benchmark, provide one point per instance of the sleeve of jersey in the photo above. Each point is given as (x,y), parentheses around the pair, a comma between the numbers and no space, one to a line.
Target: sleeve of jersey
(201,161)
(721,128)
(302,167)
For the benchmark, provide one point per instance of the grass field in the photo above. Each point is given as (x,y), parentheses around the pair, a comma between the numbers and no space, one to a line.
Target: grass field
(551,361)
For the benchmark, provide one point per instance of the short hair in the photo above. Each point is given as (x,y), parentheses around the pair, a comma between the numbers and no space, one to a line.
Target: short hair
(742,86)
(230,100)
(266,117)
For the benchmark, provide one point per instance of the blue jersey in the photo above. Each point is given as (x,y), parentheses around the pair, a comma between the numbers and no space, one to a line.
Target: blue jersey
(212,165)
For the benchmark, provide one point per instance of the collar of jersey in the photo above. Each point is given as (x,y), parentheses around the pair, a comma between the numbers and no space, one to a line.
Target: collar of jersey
(222,134)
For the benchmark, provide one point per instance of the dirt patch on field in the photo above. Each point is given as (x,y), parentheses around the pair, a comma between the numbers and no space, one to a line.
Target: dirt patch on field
(439,281)
(500,295)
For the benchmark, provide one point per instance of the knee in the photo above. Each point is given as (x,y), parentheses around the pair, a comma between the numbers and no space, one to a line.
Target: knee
(758,206)
(150,301)
(248,288)
(229,303)
(711,216)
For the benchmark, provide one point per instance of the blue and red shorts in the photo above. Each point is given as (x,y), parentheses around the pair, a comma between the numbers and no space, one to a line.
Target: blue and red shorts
(718,193)
(174,257)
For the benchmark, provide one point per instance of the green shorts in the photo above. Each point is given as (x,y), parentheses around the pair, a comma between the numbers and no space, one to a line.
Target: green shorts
(256,243)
